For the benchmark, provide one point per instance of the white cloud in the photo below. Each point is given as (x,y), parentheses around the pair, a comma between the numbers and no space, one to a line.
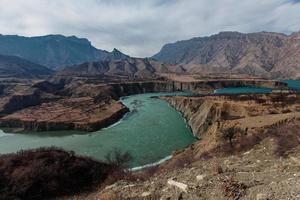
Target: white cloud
(140,28)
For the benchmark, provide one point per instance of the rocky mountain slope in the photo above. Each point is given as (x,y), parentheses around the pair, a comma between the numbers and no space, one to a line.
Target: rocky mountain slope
(265,54)
(53,51)
(125,66)
(12,66)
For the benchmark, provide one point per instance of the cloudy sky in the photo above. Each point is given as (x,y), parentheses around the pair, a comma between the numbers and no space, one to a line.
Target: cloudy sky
(141,27)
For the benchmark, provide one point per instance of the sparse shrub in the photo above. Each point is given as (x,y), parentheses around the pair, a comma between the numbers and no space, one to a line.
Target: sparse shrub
(120,161)
(48,172)
(231,132)
(118,158)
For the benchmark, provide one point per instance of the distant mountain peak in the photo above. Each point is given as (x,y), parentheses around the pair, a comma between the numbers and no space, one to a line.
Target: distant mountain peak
(118,55)
(116,52)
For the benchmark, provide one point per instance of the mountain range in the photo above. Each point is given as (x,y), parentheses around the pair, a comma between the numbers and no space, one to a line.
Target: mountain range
(128,67)
(54,51)
(264,54)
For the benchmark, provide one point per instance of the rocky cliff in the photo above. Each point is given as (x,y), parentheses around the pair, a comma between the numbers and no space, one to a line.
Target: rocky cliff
(212,113)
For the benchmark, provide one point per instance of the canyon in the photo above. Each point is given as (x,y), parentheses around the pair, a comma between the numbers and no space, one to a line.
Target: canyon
(237,146)
(82,104)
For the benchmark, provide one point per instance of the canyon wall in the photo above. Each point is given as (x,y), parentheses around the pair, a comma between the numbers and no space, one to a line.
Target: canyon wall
(208,114)
(197,87)
(21,108)
(190,109)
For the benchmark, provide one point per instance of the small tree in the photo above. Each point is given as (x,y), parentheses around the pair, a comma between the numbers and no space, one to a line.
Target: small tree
(118,158)
(230,133)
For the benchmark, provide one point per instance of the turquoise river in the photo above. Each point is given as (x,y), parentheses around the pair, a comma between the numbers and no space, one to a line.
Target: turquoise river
(151,131)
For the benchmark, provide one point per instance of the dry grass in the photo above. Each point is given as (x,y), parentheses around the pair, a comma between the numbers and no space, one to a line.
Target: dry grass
(286,136)
(233,189)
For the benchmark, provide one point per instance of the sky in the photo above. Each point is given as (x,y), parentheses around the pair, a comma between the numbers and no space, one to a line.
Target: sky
(141,27)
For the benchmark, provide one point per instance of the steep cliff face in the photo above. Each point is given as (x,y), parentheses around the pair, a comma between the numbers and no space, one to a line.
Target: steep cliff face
(20,101)
(197,87)
(199,113)
(204,113)
(210,114)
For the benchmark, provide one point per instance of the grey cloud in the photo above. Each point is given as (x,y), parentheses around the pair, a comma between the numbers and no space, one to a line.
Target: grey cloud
(140,28)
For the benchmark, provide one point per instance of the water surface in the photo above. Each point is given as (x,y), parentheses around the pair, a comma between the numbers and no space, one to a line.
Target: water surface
(293,84)
(243,90)
(151,131)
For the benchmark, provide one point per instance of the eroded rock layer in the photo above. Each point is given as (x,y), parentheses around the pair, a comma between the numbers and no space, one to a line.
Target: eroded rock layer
(213,112)
(85,104)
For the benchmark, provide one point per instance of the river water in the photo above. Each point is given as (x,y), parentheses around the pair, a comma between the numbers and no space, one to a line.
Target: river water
(293,84)
(151,131)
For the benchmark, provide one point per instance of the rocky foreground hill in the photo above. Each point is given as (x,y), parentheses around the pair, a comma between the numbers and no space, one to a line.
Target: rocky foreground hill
(264,54)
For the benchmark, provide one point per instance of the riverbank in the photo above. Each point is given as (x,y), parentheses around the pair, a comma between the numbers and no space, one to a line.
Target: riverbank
(260,162)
